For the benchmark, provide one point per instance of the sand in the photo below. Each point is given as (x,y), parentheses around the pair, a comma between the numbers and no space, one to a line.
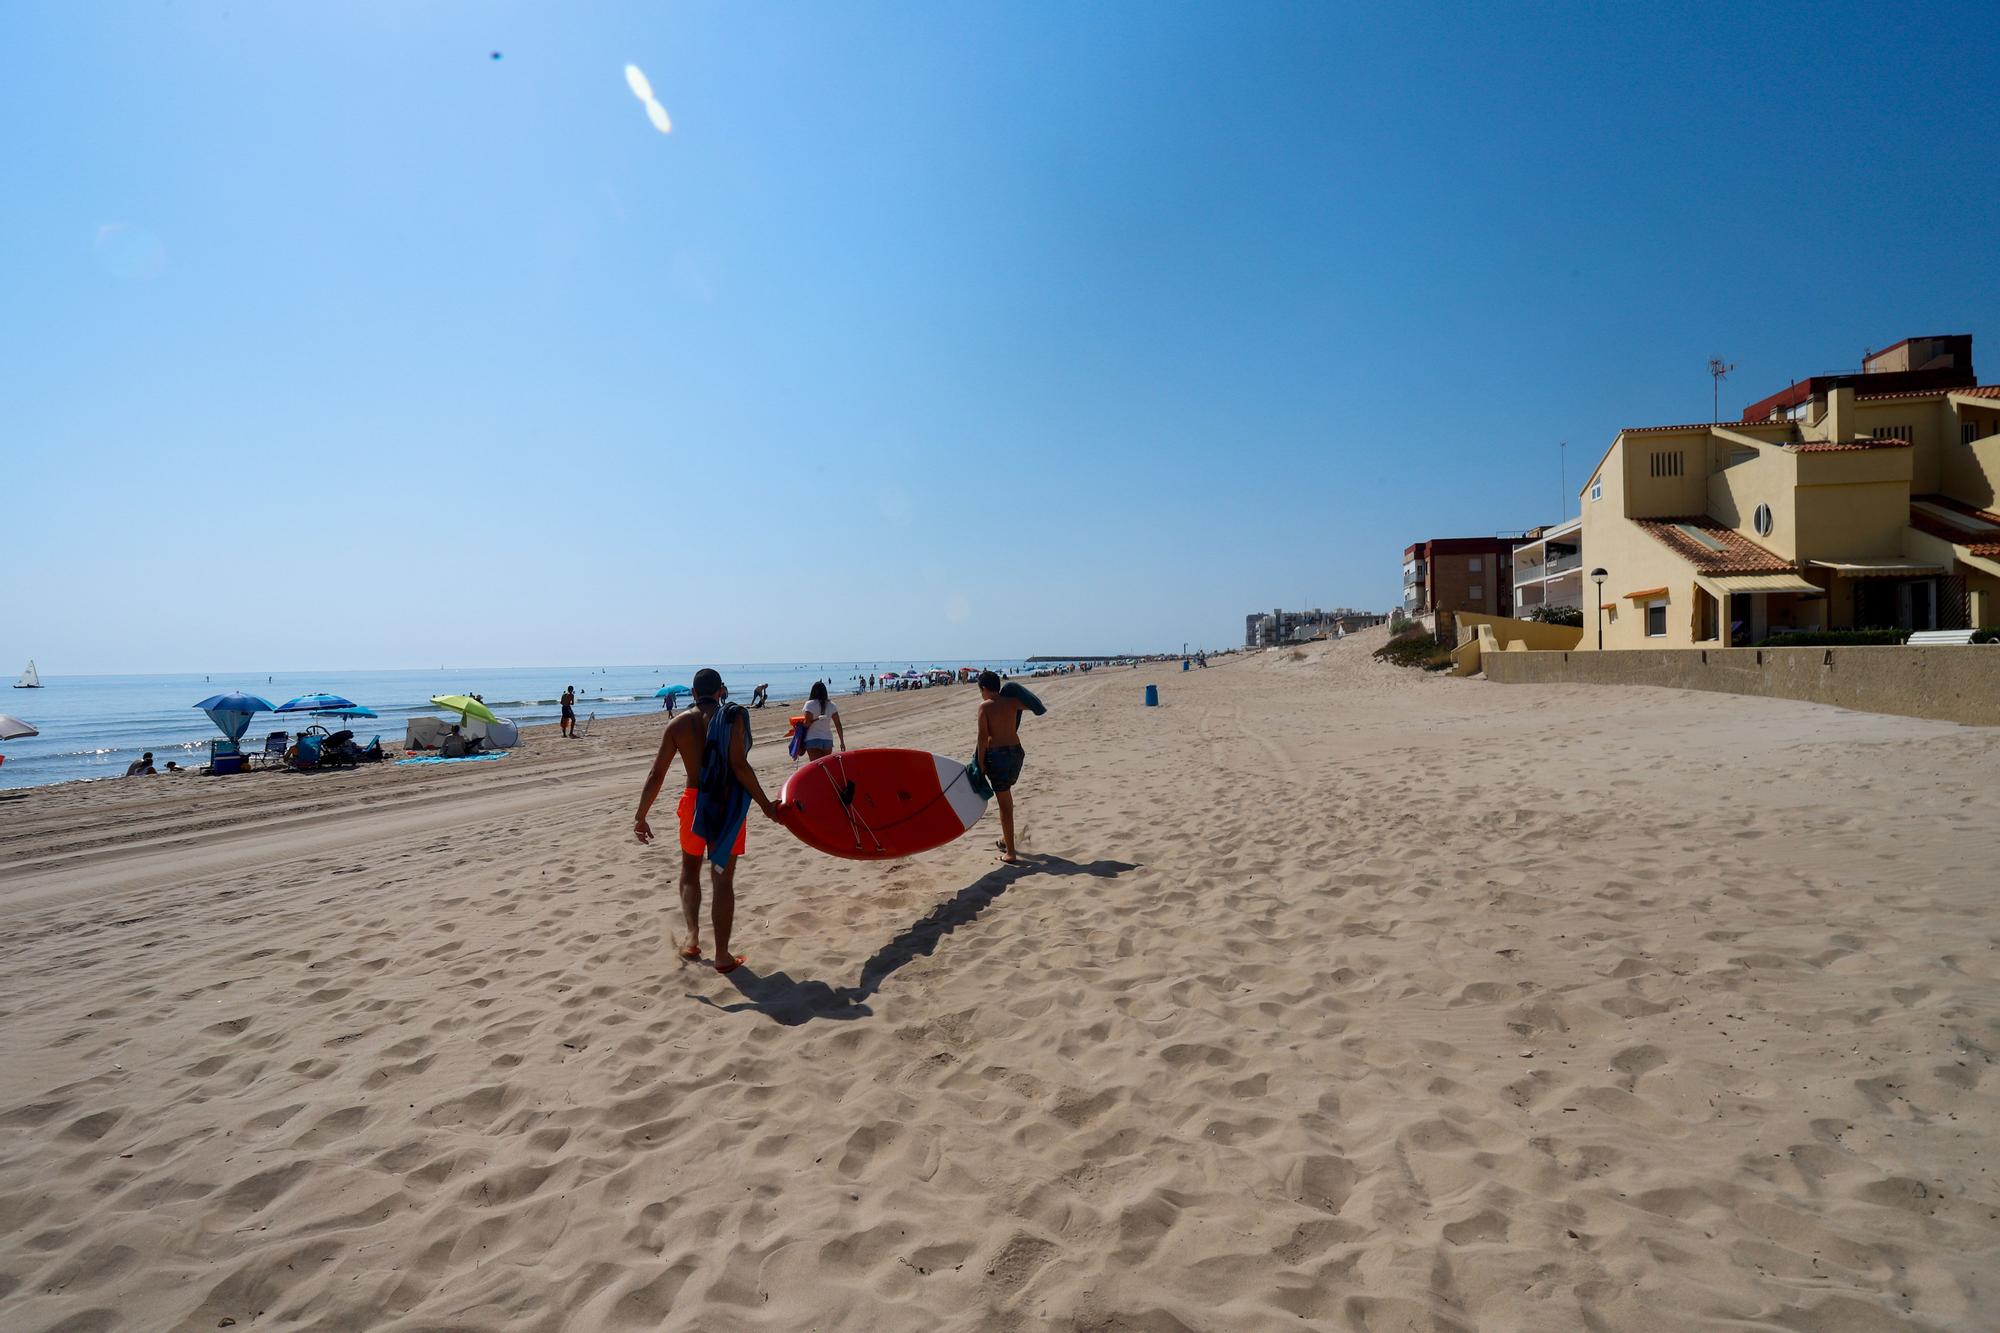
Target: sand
(1336,997)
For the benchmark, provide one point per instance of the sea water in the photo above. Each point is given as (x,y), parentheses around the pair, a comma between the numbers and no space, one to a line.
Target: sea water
(94,726)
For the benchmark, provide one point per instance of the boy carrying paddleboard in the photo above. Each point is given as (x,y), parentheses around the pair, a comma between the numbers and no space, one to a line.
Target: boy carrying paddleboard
(998,750)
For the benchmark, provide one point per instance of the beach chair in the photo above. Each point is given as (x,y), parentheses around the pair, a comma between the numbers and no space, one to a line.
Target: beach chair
(304,757)
(1953,638)
(583,727)
(275,746)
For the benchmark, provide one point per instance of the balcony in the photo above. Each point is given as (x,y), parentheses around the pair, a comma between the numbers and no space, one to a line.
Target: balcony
(1562,564)
(1414,573)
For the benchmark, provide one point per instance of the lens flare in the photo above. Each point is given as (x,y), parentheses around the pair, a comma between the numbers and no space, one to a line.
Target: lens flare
(635,79)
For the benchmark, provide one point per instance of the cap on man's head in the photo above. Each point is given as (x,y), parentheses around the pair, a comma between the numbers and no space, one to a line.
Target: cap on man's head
(707,683)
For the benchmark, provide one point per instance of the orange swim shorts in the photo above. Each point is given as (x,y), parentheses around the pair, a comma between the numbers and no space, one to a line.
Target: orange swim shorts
(694,846)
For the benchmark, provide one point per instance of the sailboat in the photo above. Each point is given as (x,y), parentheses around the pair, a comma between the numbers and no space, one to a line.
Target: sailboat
(31,679)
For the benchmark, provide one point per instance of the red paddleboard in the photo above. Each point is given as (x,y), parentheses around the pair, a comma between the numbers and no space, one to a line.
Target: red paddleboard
(874,805)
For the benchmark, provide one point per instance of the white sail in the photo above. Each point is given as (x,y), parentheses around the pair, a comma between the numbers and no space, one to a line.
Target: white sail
(30,679)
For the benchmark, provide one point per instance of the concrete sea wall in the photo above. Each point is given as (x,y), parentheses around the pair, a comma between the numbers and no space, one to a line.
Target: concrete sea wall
(1949,684)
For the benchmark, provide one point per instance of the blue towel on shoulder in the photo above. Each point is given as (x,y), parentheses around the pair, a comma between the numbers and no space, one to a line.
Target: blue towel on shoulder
(721,803)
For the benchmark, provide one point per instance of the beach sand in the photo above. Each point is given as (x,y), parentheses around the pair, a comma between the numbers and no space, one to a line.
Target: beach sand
(1337,997)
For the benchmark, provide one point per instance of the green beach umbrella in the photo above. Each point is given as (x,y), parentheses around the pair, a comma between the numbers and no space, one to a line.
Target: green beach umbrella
(465,706)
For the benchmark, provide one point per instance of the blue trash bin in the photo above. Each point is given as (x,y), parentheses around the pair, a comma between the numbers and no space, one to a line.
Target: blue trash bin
(1184,664)
(1152,696)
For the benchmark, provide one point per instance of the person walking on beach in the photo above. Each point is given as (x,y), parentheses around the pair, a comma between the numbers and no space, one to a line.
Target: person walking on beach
(825,724)
(712,740)
(569,711)
(999,754)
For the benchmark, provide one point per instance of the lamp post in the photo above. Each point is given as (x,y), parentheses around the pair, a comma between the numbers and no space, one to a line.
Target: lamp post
(1598,576)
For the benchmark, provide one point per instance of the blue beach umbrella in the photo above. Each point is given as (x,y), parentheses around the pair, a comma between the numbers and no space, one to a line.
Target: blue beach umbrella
(315,703)
(666,690)
(231,712)
(349,714)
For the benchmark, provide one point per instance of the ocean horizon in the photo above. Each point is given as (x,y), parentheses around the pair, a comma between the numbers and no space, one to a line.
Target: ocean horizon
(94,726)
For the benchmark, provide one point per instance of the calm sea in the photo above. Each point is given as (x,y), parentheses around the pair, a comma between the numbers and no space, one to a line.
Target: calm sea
(93,726)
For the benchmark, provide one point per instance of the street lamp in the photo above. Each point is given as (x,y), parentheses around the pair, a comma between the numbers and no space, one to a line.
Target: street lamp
(1598,576)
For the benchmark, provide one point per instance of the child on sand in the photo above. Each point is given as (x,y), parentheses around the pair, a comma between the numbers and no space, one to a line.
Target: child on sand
(999,754)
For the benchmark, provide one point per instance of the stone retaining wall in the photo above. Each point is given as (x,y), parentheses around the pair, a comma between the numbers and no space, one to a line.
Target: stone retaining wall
(1951,684)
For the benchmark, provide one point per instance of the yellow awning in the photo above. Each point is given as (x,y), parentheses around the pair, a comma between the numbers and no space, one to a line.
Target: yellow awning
(1724,584)
(1879,568)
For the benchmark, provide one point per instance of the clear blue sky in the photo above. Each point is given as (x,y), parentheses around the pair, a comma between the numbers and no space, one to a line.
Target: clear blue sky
(930,330)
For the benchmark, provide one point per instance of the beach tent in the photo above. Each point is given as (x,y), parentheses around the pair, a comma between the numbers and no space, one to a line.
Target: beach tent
(424,732)
(231,713)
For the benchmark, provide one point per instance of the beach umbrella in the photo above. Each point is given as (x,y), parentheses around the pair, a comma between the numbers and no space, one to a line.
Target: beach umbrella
(231,712)
(347,714)
(465,706)
(666,690)
(13,728)
(315,703)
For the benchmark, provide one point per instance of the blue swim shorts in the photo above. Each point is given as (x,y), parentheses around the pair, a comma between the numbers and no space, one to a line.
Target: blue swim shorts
(1003,766)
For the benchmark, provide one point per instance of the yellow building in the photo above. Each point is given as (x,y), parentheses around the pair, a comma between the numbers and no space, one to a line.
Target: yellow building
(1854,501)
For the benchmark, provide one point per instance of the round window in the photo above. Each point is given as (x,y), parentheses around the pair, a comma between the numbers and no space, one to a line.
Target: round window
(1763,520)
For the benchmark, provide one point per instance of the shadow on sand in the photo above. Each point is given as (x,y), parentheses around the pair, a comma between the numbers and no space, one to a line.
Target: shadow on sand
(791,1002)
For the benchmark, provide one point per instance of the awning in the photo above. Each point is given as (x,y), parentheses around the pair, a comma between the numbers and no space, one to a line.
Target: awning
(1879,569)
(1724,584)
(1645,593)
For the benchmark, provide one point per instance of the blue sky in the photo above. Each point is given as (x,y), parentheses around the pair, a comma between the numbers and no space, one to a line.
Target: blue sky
(929,330)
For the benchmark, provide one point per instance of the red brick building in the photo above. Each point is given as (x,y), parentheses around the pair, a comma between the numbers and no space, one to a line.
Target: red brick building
(1447,574)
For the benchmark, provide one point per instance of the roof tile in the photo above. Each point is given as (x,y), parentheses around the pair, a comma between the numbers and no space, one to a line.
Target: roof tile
(1969,391)
(1739,555)
(1977,540)
(1845,446)
(1706,425)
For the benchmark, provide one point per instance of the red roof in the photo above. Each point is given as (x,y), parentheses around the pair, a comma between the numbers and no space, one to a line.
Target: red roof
(1738,554)
(1969,391)
(1980,541)
(1704,425)
(1845,446)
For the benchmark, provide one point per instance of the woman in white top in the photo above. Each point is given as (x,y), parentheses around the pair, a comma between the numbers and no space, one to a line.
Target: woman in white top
(825,715)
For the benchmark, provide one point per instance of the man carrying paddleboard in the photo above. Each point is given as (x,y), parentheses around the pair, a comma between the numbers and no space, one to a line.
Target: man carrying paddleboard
(713,742)
(999,754)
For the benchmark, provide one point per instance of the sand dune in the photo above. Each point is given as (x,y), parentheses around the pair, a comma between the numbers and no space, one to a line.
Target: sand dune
(1337,997)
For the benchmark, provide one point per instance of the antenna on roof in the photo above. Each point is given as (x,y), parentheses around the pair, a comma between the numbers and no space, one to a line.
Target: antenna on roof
(1718,370)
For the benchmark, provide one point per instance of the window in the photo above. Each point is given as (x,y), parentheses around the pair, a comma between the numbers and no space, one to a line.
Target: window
(1472,565)
(1968,432)
(1656,620)
(1894,433)
(1761,520)
(1596,490)
(1668,463)
(1476,593)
